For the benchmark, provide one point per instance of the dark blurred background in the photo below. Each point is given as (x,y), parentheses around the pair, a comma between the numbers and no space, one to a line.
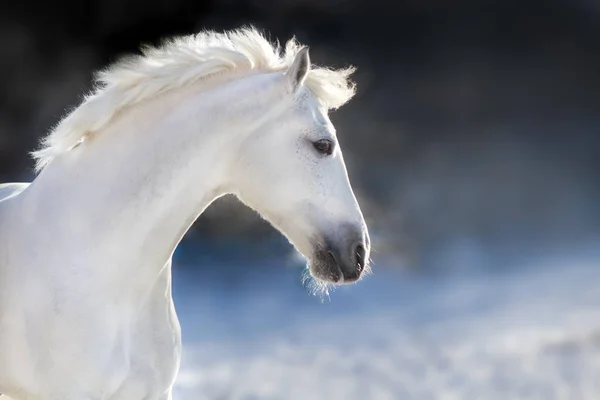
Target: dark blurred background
(476,123)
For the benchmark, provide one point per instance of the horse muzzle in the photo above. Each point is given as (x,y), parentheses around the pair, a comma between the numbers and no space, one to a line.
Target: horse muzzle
(343,258)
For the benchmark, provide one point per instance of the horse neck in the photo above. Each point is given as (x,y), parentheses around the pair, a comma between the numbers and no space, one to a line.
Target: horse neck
(129,194)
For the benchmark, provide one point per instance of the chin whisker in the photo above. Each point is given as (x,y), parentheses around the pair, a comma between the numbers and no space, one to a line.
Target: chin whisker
(315,286)
(367,270)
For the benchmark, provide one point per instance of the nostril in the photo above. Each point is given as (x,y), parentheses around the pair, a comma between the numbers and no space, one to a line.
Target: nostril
(332,257)
(360,257)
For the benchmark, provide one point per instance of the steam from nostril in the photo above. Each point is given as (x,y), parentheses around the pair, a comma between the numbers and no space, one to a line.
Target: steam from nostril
(360,258)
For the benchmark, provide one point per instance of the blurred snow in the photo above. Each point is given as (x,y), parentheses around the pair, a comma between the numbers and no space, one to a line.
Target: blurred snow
(528,331)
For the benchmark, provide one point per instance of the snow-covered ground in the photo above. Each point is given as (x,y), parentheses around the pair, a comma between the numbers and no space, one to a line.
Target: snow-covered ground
(528,331)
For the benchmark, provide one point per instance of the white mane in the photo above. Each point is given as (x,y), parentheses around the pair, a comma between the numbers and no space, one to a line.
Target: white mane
(179,62)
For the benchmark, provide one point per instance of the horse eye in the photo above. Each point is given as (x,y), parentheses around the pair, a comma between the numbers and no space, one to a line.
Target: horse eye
(323,146)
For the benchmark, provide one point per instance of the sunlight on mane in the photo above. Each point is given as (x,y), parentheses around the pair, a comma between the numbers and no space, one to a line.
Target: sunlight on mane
(179,62)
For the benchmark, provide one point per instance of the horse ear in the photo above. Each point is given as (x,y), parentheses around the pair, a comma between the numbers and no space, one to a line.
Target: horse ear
(297,72)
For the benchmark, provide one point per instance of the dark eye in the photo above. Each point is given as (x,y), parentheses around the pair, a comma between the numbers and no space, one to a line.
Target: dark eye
(324,146)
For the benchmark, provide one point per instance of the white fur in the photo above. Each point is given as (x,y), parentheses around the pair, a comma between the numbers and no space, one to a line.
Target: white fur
(86,310)
(8,190)
(181,62)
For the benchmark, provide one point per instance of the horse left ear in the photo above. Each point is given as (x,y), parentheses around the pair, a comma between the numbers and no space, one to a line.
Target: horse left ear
(297,72)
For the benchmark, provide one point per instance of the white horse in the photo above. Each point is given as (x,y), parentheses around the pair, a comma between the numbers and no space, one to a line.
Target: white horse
(85,250)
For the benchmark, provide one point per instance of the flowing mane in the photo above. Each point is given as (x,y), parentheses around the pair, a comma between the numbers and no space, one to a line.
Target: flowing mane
(177,63)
